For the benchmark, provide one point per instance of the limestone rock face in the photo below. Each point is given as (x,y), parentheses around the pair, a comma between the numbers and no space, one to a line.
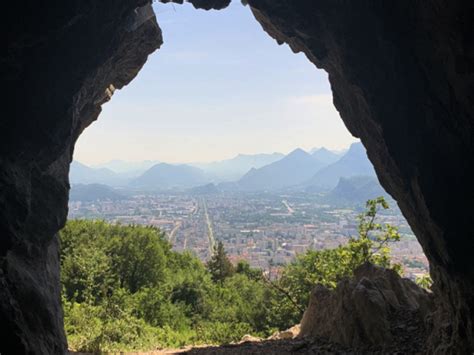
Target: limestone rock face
(61,64)
(402,76)
(368,310)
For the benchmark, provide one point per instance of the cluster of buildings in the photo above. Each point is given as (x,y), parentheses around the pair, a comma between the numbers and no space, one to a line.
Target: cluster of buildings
(263,229)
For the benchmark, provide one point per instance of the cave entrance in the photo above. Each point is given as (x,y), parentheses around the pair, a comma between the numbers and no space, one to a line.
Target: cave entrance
(402,81)
(209,99)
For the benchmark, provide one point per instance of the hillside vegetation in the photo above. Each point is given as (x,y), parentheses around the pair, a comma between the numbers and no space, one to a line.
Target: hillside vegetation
(124,288)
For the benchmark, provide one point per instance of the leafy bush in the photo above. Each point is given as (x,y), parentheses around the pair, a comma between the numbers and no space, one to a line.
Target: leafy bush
(424,281)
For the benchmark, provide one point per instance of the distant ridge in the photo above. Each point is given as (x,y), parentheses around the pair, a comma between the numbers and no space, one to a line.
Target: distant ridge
(234,168)
(356,189)
(293,169)
(166,176)
(325,156)
(93,192)
(127,167)
(82,174)
(319,170)
(354,162)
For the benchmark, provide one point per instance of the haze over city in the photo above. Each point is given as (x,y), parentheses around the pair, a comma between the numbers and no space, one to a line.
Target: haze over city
(208,95)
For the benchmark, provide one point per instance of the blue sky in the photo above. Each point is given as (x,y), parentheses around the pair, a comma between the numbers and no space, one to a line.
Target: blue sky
(218,86)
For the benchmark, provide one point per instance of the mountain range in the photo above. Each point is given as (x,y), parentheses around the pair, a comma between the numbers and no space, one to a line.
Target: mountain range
(129,168)
(235,168)
(353,163)
(325,156)
(320,170)
(165,176)
(293,169)
(83,174)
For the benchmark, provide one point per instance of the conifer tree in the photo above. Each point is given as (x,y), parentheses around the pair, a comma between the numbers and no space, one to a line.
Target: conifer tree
(220,266)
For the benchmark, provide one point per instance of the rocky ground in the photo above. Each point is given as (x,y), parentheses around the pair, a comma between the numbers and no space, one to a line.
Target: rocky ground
(300,346)
(409,336)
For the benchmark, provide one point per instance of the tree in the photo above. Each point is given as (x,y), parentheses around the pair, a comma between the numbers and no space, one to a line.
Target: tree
(220,266)
(327,267)
(243,267)
(138,256)
(372,243)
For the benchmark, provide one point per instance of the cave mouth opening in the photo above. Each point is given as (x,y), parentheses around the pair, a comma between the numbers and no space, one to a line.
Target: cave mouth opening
(401,83)
(199,68)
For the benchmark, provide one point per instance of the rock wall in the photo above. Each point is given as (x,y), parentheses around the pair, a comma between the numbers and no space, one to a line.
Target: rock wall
(62,61)
(377,310)
(402,75)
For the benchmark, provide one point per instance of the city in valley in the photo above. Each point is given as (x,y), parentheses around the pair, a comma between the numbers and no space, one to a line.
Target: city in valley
(265,229)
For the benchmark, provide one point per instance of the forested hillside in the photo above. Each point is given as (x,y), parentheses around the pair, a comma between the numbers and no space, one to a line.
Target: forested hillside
(124,287)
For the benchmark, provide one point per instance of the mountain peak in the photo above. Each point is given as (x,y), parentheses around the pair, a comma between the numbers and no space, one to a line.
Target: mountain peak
(325,155)
(354,162)
(356,150)
(297,152)
(321,150)
(293,169)
(357,146)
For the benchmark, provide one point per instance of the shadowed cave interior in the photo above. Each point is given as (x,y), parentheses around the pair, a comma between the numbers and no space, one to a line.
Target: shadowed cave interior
(402,79)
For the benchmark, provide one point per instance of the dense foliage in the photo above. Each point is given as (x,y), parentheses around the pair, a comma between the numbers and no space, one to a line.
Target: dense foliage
(124,288)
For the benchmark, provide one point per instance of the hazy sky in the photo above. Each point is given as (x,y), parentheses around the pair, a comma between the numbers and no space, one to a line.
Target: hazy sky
(218,86)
